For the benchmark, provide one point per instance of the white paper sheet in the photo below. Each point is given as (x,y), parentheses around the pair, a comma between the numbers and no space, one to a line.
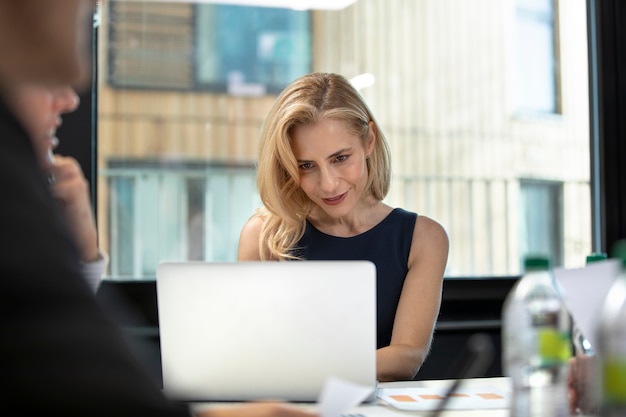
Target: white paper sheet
(339,396)
(584,291)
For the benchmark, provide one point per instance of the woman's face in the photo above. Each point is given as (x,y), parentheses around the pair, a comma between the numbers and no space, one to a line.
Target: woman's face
(332,164)
(39,108)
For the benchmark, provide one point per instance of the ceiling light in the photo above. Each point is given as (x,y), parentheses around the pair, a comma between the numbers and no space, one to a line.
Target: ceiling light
(363,81)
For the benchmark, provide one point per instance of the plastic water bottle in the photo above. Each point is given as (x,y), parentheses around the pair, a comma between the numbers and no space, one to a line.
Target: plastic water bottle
(611,348)
(536,343)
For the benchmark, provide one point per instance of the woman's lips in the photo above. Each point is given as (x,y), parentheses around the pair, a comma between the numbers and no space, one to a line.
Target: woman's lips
(335,200)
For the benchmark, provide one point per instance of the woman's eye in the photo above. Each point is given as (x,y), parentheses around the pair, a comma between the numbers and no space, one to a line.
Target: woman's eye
(341,158)
(306,165)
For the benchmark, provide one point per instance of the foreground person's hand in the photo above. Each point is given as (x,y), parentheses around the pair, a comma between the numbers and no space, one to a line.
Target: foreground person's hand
(269,409)
(582,385)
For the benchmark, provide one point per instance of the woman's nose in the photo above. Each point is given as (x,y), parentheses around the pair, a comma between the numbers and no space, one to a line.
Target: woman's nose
(328,180)
(66,99)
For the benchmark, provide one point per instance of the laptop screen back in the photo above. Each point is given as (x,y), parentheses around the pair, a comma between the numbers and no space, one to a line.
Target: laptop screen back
(265,330)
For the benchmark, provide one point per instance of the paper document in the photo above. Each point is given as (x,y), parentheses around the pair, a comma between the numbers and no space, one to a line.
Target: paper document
(339,396)
(465,398)
(584,291)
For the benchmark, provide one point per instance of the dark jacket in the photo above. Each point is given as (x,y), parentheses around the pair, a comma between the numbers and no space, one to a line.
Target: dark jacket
(60,354)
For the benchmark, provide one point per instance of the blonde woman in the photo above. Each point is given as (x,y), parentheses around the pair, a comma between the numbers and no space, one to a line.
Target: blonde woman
(323,172)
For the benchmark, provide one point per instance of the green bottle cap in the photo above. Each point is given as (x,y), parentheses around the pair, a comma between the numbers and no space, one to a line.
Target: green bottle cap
(596,256)
(536,263)
(619,251)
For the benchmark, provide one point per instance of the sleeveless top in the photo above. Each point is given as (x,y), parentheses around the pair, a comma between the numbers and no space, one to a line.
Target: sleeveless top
(387,245)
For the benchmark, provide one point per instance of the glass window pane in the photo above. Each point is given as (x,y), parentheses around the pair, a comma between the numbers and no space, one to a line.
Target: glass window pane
(535,52)
(447,80)
(540,223)
(540,7)
(251,50)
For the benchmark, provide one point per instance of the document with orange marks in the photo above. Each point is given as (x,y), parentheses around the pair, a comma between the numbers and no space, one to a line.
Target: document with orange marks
(428,398)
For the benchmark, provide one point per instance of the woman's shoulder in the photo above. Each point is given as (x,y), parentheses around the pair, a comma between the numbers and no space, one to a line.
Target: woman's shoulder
(429,226)
(429,246)
(423,225)
(429,234)
(401,213)
(399,218)
(254,224)
(249,237)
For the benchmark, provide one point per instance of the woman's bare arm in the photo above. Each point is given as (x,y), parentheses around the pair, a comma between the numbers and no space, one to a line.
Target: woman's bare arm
(419,304)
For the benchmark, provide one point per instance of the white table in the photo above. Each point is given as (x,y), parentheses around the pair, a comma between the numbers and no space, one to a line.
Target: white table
(380,409)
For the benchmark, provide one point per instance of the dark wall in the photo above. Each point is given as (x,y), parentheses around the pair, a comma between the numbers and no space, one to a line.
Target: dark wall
(468,306)
(133,305)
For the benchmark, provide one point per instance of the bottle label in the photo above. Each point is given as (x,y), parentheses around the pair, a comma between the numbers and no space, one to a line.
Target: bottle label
(614,381)
(554,346)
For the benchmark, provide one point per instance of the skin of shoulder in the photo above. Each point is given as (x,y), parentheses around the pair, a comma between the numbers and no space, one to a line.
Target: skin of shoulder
(420,298)
(429,239)
(249,249)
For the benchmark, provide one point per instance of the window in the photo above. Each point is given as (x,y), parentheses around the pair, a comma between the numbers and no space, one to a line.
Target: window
(536,59)
(240,50)
(541,224)
(251,50)
(150,45)
(177,146)
(162,212)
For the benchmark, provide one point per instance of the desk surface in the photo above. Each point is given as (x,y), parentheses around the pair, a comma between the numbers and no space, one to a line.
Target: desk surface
(380,409)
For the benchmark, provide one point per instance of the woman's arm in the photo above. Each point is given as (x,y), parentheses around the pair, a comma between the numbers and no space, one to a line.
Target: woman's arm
(256,409)
(419,303)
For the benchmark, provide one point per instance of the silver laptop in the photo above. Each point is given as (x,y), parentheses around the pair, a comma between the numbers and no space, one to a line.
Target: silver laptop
(265,330)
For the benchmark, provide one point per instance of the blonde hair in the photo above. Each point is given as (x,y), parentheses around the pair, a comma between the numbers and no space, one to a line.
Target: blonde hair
(308,100)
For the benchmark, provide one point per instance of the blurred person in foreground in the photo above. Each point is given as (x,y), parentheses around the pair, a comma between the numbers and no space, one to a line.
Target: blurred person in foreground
(39,109)
(59,352)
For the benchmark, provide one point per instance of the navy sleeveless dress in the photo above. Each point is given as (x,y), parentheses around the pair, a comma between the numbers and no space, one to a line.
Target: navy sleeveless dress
(387,245)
